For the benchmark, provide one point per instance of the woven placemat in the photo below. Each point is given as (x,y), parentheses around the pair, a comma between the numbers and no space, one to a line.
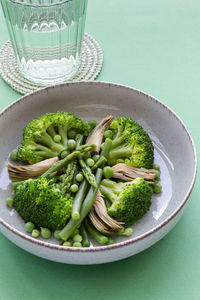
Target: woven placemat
(91,64)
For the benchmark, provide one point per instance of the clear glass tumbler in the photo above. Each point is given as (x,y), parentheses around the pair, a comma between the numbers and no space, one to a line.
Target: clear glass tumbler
(46,36)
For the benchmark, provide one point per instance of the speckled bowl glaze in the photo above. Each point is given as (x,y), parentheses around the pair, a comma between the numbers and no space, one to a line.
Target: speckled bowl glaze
(94,100)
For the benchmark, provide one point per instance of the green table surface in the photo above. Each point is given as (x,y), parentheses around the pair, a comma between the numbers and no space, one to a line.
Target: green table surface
(153,46)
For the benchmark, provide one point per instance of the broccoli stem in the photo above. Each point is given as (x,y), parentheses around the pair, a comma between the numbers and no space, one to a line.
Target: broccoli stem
(87,172)
(80,195)
(62,131)
(110,190)
(120,152)
(51,131)
(67,231)
(47,140)
(99,237)
(63,162)
(86,240)
(44,151)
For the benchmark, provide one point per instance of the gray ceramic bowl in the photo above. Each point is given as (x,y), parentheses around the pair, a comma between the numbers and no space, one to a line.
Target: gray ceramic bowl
(94,100)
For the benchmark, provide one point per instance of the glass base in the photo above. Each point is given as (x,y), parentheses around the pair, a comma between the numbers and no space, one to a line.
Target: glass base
(48,73)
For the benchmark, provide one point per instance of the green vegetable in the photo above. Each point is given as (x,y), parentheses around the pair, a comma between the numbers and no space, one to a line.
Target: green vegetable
(10,201)
(74,188)
(107,145)
(41,202)
(157,187)
(90,162)
(86,240)
(79,140)
(67,244)
(87,172)
(76,231)
(108,172)
(87,155)
(92,124)
(79,177)
(72,156)
(71,144)
(79,199)
(45,233)
(29,226)
(131,144)
(95,157)
(56,234)
(102,239)
(108,134)
(38,136)
(100,163)
(67,231)
(77,238)
(64,153)
(57,138)
(156,167)
(35,233)
(77,244)
(71,134)
(111,240)
(130,200)
(157,174)
(68,178)
(126,231)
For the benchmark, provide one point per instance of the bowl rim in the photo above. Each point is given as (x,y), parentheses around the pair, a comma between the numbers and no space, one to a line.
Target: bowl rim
(129,241)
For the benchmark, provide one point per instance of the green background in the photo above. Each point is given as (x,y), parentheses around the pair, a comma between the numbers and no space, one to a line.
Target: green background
(154,46)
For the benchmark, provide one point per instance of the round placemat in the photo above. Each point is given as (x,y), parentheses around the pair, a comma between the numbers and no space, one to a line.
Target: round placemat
(91,64)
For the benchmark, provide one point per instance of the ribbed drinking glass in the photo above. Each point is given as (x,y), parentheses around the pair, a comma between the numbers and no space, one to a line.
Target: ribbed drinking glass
(46,36)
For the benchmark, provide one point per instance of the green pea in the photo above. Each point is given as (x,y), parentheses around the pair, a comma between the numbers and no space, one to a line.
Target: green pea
(57,138)
(92,124)
(35,233)
(71,144)
(157,174)
(29,226)
(64,154)
(71,134)
(79,177)
(87,155)
(156,167)
(74,188)
(77,244)
(67,244)
(45,233)
(90,162)
(56,234)
(10,201)
(128,232)
(77,238)
(108,134)
(108,172)
(157,188)
(95,157)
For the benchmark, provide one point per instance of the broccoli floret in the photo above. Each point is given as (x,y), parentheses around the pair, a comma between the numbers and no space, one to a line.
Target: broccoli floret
(41,201)
(130,144)
(47,136)
(129,200)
